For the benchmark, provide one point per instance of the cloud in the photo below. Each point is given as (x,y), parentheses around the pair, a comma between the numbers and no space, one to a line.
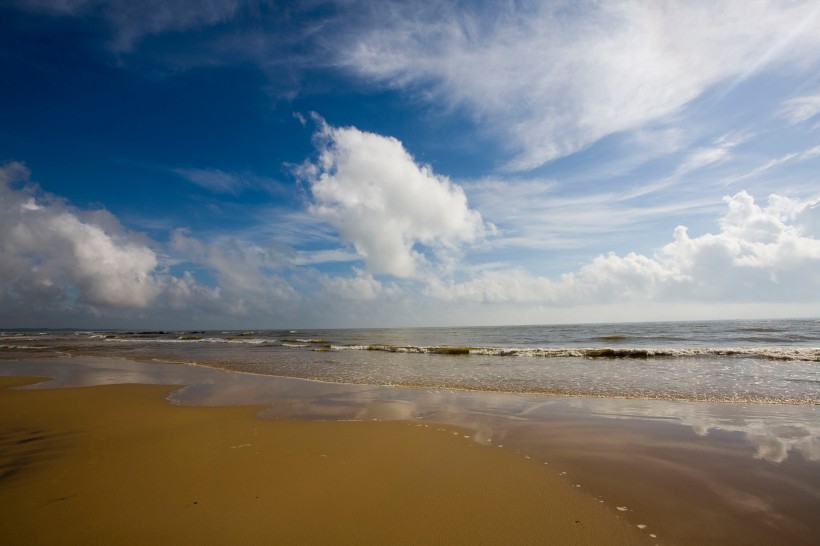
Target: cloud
(304,257)
(52,253)
(542,214)
(219,181)
(773,163)
(55,258)
(360,287)
(545,79)
(800,109)
(214,180)
(248,275)
(760,254)
(717,153)
(391,209)
(554,79)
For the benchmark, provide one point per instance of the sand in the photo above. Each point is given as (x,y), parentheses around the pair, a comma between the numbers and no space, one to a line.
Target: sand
(117,464)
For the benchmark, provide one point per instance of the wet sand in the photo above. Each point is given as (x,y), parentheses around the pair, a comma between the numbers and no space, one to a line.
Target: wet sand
(118,464)
(688,473)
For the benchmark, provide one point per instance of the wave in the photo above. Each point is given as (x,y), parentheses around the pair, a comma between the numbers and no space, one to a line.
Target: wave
(809,354)
(190,339)
(772,353)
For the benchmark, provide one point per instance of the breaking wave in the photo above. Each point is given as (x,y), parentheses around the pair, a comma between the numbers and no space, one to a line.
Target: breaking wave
(771,353)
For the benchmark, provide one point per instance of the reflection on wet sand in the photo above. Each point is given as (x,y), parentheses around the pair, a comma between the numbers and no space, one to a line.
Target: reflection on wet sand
(775,432)
(692,472)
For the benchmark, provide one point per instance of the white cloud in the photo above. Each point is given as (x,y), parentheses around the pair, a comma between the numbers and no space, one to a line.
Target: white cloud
(370,189)
(304,257)
(51,251)
(248,275)
(360,287)
(773,163)
(800,109)
(717,153)
(769,253)
(55,258)
(185,294)
(541,214)
(554,79)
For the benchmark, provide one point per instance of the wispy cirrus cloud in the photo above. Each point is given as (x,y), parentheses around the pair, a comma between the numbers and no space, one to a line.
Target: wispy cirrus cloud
(770,164)
(554,79)
(800,109)
(219,181)
(717,152)
(544,79)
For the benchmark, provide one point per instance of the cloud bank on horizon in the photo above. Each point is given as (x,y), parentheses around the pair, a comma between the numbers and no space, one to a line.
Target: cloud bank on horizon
(341,163)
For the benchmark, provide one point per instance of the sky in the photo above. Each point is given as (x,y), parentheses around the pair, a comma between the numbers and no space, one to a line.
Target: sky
(197,164)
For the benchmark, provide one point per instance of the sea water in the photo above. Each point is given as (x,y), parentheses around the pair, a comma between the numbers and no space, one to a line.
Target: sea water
(771,361)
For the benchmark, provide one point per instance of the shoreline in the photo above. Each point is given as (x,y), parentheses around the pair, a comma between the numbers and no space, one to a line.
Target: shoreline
(118,464)
(734,362)
(690,472)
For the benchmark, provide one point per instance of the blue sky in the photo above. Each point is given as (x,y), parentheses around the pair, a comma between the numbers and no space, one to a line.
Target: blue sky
(260,164)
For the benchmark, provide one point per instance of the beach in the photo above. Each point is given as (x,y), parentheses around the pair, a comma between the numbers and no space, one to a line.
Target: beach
(678,433)
(118,464)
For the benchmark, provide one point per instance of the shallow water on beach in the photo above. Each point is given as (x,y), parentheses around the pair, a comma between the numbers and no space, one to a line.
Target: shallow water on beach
(729,361)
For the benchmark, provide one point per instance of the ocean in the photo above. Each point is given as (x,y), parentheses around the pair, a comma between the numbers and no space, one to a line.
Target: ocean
(753,361)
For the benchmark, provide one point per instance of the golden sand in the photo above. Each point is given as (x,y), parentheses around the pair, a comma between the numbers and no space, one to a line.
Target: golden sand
(117,464)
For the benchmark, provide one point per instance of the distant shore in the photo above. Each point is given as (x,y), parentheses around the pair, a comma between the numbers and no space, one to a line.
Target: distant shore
(117,464)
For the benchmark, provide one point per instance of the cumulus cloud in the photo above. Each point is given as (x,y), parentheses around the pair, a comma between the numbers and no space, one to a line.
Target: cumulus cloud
(555,79)
(360,287)
(57,258)
(769,253)
(372,191)
(248,275)
(50,252)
